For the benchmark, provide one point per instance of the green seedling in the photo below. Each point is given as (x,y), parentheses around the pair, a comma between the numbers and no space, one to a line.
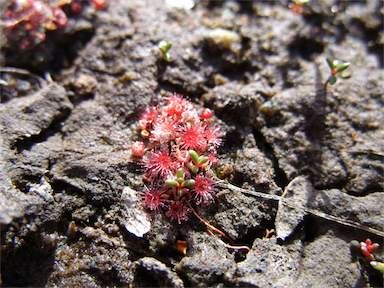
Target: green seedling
(197,160)
(164,47)
(179,182)
(336,67)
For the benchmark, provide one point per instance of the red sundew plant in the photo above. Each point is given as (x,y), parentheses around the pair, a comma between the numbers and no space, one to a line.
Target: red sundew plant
(159,163)
(27,21)
(163,131)
(204,188)
(178,210)
(192,137)
(182,146)
(153,199)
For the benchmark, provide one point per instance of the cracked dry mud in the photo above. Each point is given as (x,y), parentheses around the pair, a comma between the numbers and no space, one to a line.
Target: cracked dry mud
(65,154)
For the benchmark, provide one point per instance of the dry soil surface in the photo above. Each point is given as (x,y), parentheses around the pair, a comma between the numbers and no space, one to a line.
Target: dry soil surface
(66,165)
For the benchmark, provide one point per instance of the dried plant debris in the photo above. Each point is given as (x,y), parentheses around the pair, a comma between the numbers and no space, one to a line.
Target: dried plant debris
(300,198)
(134,218)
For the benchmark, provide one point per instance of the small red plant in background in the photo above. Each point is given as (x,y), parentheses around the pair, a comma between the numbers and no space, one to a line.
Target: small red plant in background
(76,5)
(138,148)
(367,248)
(297,6)
(181,148)
(27,21)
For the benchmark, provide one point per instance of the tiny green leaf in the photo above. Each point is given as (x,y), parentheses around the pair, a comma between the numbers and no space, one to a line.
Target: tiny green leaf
(203,159)
(194,169)
(189,182)
(180,175)
(332,79)
(302,2)
(171,182)
(377,265)
(194,156)
(336,63)
(164,46)
(342,66)
(167,57)
(330,63)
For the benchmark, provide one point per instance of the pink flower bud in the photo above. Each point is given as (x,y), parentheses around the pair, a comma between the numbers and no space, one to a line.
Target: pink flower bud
(138,148)
(206,114)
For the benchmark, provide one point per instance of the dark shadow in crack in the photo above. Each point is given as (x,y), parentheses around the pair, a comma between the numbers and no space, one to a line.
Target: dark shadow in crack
(28,262)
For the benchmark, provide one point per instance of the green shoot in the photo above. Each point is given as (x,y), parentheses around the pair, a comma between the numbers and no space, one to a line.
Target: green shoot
(336,67)
(164,46)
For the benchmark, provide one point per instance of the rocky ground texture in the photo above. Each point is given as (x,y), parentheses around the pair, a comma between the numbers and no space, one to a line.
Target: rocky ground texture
(67,202)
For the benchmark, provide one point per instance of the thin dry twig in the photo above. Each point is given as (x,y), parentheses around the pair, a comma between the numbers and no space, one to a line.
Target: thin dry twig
(308,210)
(20,71)
(211,228)
(227,245)
(209,225)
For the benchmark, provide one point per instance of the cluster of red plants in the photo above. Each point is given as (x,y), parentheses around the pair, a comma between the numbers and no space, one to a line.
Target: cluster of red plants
(27,21)
(182,146)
